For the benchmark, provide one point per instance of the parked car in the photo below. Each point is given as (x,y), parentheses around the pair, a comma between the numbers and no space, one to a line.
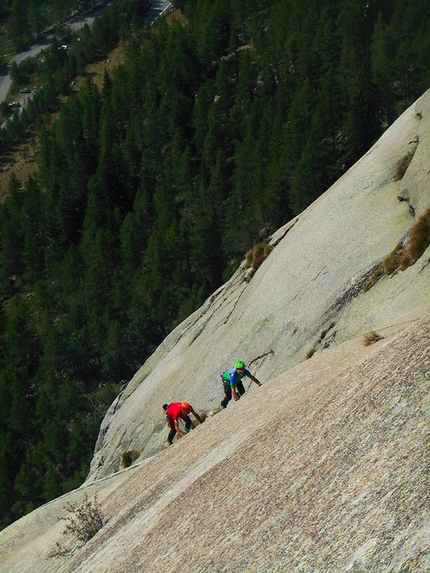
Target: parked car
(14,104)
(25,91)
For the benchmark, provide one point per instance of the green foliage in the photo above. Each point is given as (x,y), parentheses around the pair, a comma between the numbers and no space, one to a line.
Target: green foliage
(387,267)
(213,133)
(83,522)
(128,458)
(363,121)
(325,331)
(18,26)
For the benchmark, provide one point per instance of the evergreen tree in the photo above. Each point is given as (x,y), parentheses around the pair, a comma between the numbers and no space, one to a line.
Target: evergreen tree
(150,189)
(36,17)
(18,26)
(363,121)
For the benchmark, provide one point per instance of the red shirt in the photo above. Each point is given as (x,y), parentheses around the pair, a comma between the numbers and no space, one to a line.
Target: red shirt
(175,411)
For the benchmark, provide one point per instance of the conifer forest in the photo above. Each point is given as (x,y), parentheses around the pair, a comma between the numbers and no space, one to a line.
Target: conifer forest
(220,126)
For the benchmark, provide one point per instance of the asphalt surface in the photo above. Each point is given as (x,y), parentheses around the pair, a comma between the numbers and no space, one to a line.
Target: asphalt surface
(5,79)
(158,7)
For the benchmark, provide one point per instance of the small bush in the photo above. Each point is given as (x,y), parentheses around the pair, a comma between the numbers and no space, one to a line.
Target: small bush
(83,522)
(392,262)
(129,458)
(387,267)
(419,240)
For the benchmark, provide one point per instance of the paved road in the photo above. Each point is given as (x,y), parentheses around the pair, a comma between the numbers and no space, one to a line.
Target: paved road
(158,7)
(74,24)
(5,79)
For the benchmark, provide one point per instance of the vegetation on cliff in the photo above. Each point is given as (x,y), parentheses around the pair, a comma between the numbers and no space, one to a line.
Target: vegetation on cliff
(214,133)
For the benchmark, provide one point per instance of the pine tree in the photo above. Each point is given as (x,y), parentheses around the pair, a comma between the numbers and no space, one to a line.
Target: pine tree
(18,27)
(363,123)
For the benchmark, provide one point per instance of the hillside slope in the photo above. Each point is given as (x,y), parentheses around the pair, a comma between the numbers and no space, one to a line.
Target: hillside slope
(322,469)
(307,296)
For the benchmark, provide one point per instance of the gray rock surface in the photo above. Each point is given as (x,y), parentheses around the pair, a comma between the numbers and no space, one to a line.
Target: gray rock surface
(311,282)
(324,468)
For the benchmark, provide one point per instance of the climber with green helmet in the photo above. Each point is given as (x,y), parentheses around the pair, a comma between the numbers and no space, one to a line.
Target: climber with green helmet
(232,382)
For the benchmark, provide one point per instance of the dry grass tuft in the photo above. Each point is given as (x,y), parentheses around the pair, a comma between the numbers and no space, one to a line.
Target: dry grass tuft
(371,337)
(419,240)
(129,458)
(402,166)
(255,256)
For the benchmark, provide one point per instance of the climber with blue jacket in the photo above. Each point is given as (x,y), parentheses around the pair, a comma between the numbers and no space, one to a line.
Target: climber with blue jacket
(232,382)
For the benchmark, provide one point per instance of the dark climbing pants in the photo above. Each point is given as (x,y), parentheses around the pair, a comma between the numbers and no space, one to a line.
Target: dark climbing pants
(228,395)
(172,432)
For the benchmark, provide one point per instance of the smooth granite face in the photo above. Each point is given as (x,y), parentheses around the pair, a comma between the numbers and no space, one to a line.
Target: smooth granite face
(324,468)
(307,295)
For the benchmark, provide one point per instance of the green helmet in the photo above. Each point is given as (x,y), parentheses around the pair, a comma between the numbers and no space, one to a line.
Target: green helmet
(240,364)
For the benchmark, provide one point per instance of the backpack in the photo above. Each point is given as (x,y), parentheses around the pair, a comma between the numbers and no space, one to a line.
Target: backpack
(225,382)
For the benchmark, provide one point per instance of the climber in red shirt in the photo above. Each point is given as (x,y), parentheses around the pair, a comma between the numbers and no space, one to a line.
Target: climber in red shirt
(177,410)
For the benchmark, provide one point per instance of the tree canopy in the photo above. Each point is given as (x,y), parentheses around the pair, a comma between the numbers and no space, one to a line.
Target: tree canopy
(216,131)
